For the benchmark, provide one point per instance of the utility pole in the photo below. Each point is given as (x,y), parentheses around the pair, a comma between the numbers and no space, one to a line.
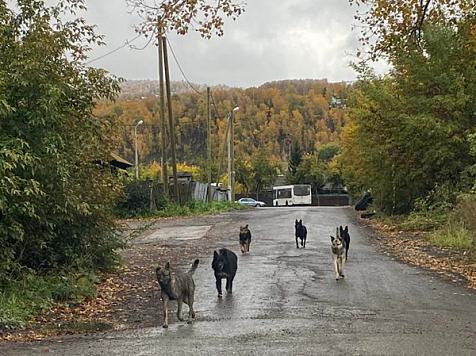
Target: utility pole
(232,149)
(163,129)
(225,143)
(171,121)
(231,164)
(230,119)
(209,147)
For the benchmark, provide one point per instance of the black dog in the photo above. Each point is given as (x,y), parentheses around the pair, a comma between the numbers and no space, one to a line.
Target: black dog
(225,265)
(301,232)
(245,239)
(344,234)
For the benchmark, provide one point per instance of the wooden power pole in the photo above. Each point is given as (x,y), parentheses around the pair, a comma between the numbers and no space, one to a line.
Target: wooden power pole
(163,126)
(232,148)
(209,147)
(171,121)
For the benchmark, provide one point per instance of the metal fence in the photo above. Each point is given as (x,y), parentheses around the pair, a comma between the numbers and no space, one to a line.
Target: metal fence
(188,191)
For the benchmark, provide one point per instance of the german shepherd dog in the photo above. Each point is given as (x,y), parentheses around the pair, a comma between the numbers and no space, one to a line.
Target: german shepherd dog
(179,286)
(301,232)
(338,254)
(245,239)
(225,265)
(344,233)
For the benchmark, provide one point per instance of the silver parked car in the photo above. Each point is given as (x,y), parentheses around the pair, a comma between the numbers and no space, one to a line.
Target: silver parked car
(251,202)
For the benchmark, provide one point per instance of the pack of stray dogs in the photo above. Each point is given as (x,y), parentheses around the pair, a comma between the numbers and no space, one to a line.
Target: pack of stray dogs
(180,286)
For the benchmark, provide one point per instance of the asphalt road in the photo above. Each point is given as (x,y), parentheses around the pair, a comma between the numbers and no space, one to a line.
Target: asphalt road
(287,302)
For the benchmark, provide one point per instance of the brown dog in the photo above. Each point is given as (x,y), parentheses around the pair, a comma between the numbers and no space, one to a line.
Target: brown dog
(245,239)
(177,286)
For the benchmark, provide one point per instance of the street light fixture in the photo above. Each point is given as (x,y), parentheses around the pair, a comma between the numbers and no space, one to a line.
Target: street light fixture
(231,158)
(135,144)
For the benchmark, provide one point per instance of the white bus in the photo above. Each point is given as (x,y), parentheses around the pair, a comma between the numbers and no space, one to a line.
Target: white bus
(298,194)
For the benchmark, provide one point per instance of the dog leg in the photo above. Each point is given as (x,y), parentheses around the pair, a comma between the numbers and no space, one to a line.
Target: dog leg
(218,284)
(297,243)
(229,285)
(179,309)
(243,248)
(191,312)
(336,267)
(166,314)
(304,242)
(342,267)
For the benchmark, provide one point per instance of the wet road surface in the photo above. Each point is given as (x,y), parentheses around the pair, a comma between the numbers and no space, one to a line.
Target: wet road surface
(286,301)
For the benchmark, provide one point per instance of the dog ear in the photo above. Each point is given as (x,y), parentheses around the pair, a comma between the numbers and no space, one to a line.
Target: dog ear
(341,230)
(296,221)
(246,226)
(167,265)
(332,238)
(300,221)
(215,254)
(346,229)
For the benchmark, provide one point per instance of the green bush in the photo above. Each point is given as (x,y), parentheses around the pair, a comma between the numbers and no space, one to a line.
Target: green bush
(56,188)
(136,200)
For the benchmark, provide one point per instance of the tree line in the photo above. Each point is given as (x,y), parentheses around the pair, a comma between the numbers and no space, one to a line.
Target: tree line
(410,134)
(270,117)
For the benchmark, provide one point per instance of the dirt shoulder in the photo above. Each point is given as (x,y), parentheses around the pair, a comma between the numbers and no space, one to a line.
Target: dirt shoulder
(412,248)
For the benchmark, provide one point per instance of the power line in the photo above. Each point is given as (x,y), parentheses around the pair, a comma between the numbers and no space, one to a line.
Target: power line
(114,50)
(178,65)
(214,105)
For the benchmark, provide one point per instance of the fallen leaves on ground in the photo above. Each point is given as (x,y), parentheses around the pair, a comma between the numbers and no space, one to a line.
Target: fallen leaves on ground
(412,248)
(128,298)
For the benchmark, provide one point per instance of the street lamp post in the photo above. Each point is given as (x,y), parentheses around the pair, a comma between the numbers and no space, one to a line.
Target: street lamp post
(135,148)
(231,163)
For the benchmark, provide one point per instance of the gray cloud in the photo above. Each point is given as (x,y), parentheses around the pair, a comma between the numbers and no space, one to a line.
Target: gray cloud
(272,40)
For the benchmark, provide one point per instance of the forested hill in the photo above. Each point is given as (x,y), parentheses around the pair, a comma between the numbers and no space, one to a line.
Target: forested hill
(138,89)
(270,117)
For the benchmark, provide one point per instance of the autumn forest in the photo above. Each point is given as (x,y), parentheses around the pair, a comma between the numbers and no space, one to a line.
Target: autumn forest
(270,117)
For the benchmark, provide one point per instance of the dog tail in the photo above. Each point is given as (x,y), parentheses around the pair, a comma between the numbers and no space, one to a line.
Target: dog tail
(194,266)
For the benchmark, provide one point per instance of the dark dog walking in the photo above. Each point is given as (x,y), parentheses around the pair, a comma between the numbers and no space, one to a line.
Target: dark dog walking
(245,239)
(225,265)
(177,286)
(344,234)
(301,232)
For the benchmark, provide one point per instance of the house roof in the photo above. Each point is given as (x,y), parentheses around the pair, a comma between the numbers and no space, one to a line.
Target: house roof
(120,162)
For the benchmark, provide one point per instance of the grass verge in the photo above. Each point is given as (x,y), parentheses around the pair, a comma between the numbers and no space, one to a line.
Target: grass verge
(455,228)
(197,208)
(452,235)
(167,209)
(24,298)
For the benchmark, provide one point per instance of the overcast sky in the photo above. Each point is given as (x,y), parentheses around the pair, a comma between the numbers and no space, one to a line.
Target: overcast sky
(272,40)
